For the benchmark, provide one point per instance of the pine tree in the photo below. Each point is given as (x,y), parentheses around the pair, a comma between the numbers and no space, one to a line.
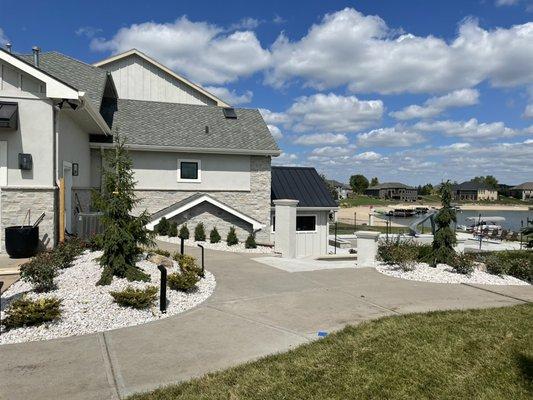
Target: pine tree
(199,233)
(250,242)
(232,239)
(184,232)
(162,227)
(173,229)
(444,239)
(214,236)
(123,234)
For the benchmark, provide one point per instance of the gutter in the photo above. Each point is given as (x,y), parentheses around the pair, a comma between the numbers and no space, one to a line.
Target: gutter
(95,115)
(178,149)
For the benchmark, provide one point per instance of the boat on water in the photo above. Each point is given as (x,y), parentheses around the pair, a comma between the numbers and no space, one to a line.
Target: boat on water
(482,224)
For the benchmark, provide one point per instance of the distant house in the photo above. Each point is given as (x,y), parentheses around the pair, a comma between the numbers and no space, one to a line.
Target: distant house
(474,191)
(343,190)
(393,191)
(523,191)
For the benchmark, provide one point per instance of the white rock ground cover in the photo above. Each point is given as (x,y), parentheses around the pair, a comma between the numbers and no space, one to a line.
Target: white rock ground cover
(87,308)
(221,246)
(443,273)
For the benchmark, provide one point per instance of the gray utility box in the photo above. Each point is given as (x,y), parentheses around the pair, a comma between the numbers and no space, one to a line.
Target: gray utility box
(89,224)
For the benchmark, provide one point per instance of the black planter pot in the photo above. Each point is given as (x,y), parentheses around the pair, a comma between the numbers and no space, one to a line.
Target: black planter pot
(22,241)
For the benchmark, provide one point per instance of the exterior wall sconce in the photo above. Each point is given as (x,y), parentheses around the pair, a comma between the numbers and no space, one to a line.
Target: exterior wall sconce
(75,169)
(25,162)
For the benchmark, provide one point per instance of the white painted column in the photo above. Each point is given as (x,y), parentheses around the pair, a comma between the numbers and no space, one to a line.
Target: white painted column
(285,227)
(367,248)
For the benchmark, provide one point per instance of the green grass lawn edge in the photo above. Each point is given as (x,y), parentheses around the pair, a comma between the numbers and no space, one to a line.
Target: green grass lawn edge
(474,354)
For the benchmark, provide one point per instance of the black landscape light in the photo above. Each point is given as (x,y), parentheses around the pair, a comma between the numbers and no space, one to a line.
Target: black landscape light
(203,266)
(182,245)
(163,289)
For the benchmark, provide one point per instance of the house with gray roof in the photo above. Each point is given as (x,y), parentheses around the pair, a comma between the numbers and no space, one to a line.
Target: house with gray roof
(195,158)
(524,191)
(393,191)
(474,191)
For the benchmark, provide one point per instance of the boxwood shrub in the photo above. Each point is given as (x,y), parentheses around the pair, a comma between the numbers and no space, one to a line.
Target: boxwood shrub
(183,281)
(517,263)
(40,271)
(135,298)
(26,312)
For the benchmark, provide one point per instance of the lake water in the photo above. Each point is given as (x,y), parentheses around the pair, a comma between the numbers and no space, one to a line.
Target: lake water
(513,219)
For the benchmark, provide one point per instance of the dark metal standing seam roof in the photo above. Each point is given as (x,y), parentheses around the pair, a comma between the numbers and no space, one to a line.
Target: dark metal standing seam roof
(302,184)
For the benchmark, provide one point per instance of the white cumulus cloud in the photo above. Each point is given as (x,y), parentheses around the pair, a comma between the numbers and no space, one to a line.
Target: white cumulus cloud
(436,105)
(204,52)
(390,137)
(470,129)
(334,113)
(321,138)
(230,96)
(275,131)
(528,112)
(362,52)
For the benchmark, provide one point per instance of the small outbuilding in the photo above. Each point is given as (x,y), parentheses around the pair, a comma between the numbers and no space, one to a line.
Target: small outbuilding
(302,207)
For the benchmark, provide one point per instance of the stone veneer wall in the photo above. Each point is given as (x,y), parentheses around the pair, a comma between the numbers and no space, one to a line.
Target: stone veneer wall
(254,203)
(15,203)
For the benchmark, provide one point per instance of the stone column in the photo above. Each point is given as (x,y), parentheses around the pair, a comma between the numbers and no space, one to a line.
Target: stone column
(285,228)
(367,248)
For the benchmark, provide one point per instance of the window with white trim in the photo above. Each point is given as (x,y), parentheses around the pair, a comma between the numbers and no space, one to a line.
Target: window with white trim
(189,171)
(305,223)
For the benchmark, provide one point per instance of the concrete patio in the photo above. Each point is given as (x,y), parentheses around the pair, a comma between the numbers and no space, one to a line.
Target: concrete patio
(256,310)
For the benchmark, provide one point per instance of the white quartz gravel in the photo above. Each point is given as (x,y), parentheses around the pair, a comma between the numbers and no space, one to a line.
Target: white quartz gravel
(221,246)
(443,273)
(87,308)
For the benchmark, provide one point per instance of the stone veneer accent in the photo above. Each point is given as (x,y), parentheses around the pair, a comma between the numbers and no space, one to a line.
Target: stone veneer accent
(254,203)
(15,203)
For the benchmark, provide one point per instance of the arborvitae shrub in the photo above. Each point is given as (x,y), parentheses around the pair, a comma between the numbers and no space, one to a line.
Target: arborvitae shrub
(173,229)
(250,242)
(199,233)
(214,236)
(184,232)
(162,227)
(232,239)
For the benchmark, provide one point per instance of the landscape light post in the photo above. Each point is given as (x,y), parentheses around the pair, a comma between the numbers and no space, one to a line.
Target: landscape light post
(182,245)
(203,266)
(1,285)
(335,246)
(163,289)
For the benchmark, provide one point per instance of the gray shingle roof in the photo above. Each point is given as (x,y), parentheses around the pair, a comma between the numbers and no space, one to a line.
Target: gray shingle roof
(390,185)
(524,186)
(472,185)
(184,125)
(77,74)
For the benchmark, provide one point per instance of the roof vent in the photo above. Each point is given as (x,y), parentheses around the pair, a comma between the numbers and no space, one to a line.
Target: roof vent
(35,51)
(229,112)
(9,47)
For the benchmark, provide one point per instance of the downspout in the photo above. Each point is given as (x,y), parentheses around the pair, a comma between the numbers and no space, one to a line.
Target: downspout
(55,174)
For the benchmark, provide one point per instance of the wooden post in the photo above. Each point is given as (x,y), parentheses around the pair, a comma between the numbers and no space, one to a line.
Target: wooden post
(61,210)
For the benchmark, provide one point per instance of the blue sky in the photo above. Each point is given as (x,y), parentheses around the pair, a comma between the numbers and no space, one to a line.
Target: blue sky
(413,91)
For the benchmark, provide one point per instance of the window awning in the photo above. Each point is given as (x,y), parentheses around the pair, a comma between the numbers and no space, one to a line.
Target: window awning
(8,115)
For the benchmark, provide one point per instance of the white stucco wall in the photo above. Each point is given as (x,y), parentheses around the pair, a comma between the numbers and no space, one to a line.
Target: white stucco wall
(137,79)
(34,136)
(73,146)
(158,171)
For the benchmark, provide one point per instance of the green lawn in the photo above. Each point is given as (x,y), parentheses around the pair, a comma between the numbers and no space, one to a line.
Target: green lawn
(484,354)
(344,228)
(361,200)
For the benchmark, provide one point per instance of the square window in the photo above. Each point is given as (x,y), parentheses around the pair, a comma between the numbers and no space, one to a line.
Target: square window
(189,170)
(305,223)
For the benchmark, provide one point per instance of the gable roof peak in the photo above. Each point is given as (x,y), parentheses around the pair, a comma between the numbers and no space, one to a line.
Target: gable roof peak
(153,61)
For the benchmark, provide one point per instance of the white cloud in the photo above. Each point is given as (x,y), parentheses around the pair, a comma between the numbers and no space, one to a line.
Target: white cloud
(230,96)
(390,137)
(246,23)
(272,117)
(470,129)
(334,113)
(436,105)
(275,131)
(204,52)
(321,138)
(87,31)
(331,151)
(528,112)
(349,48)
(285,159)
(368,156)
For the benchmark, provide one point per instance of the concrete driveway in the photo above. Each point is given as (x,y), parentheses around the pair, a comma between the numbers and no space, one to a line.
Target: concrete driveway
(256,310)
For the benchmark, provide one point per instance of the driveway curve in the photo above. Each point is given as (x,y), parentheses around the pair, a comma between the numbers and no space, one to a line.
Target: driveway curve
(256,310)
